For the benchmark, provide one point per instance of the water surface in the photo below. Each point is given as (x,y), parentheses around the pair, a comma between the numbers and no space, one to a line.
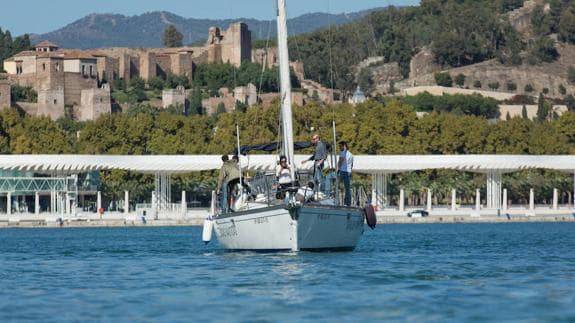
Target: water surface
(439,272)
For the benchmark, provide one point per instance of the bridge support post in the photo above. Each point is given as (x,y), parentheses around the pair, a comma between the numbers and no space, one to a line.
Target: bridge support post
(98,201)
(184,203)
(126,202)
(494,189)
(477,200)
(9,203)
(429,199)
(555,199)
(379,190)
(36,203)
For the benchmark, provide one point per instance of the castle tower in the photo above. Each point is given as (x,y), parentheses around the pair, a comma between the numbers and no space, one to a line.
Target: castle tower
(237,45)
(49,72)
(147,65)
(51,103)
(173,97)
(95,102)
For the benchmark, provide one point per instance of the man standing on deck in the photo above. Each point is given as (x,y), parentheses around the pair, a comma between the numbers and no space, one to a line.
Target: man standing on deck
(344,166)
(228,173)
(319,157)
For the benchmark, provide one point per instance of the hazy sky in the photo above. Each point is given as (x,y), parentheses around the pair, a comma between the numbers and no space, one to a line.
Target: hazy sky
(47,15)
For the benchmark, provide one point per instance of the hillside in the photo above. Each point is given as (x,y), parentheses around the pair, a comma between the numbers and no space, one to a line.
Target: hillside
(442,35)
(146,30)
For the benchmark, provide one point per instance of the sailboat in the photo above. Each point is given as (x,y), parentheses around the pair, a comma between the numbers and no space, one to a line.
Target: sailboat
(293,224)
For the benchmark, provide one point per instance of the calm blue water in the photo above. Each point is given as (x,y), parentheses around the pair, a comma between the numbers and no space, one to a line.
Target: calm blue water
(458,272)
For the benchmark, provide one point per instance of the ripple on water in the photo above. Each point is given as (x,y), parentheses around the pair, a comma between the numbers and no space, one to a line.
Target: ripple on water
(398,272)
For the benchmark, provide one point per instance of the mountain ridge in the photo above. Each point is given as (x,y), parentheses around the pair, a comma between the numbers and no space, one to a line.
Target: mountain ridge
(99,30)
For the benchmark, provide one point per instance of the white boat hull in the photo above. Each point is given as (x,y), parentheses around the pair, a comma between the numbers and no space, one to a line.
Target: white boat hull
(307,227)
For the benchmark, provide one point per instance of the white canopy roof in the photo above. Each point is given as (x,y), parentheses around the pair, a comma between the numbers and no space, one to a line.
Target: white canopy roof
(362,163)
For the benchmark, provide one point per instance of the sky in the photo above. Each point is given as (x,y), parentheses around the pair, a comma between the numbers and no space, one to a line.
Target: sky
(42,16)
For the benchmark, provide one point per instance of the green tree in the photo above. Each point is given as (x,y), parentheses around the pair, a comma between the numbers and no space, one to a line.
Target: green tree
(443,79)
(543,50)
(460,80)
(477,84)
(570,102)
(221,108)
(23,93)
(173,81)
(567,26)
(562,89)
(571,74)
(494,85)
(509,51)
(156,83)
(136,90)
(241,106)
(524,113)
(196,102)
(543,109)
(528,88)
(172,37)
(365,80)
(511,86)
(541,22)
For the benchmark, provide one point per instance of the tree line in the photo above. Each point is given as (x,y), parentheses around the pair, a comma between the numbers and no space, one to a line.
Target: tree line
(370,128)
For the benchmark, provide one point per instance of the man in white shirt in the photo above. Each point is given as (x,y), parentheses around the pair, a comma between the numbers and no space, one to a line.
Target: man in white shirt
(344,167)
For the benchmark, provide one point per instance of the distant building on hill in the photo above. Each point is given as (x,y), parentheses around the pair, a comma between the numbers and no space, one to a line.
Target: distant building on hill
(358,96)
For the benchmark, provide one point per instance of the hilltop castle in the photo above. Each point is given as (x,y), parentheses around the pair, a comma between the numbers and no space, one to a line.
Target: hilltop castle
(70,78)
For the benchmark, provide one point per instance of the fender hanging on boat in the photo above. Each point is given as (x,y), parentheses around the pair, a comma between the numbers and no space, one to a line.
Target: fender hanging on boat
(207,230)
(370,217)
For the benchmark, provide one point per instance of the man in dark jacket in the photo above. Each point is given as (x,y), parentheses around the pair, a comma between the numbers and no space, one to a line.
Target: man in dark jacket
(319,157)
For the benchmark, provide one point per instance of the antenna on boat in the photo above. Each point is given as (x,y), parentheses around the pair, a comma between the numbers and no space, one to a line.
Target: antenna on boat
(335,162)
(239,153)
(333,152)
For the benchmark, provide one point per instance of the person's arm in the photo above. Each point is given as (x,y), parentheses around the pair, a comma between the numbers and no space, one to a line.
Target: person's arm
(309,159)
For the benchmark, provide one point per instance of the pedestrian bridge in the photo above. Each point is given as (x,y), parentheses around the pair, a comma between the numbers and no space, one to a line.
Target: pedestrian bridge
(63,169)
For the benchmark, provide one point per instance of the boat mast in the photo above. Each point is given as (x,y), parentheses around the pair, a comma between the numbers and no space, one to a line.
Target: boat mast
(285,85)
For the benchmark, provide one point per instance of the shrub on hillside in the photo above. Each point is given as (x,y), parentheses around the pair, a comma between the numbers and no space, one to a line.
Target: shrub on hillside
(477,84)
(511,86)
(443,79)
(571,75)
(528,88)
(494,85)
(460,80)
(520,99)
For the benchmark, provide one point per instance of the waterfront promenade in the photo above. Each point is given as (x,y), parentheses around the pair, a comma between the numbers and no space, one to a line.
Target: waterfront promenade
(195,217)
